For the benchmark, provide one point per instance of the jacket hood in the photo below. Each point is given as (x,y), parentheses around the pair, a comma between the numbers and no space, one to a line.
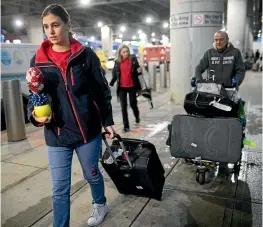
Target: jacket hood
(41,56)
(229,46)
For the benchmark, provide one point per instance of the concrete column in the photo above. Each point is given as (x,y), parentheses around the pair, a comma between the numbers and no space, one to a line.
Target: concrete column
(247,30)
(144,39)
(35,30)
(193,24)
(106,39)
(251,41)
(236,22)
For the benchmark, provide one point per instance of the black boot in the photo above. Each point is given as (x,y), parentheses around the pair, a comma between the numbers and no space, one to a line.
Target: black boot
(126,130)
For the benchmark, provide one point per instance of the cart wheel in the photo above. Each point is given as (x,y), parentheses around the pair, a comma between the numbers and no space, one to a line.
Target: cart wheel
(207,180)
(197,173)
(201,178)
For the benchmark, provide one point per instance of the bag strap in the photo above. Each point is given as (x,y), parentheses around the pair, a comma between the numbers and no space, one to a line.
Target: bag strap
(196,102)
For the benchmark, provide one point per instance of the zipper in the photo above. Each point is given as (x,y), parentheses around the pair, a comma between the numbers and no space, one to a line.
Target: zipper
(58,131)
(64,77)
(72,77)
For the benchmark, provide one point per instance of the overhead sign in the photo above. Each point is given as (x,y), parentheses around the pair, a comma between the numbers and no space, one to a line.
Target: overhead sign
(196,19)
(180,20)
(207,19)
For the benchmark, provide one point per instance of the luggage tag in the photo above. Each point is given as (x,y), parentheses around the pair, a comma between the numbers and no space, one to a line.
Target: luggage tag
(220,106)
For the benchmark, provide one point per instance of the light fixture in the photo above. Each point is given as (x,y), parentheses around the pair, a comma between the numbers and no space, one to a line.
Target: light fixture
(92,38)
(153,34)
(122,28)
(120,36)
(149,20)
(134,37)
(19,23)
(165,25)
(139,31)
(153,39)
(100,24)
(84,2)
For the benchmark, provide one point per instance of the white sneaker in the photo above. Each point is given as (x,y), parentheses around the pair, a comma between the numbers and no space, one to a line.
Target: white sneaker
(98,214)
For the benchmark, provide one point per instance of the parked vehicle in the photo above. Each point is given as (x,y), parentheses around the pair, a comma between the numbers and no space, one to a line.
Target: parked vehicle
(157,54)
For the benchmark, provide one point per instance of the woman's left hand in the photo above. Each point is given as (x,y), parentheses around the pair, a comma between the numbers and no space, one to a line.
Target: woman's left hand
(139,70)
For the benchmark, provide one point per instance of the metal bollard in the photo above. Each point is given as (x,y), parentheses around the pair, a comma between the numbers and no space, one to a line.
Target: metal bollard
(152,75)
(163,75)
(14,112)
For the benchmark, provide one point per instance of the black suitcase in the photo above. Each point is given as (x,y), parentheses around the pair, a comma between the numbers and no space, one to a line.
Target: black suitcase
(138,173)
(211,139)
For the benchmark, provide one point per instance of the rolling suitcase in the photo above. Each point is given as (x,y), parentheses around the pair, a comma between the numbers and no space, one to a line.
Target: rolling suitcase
(138,170)
(213,139)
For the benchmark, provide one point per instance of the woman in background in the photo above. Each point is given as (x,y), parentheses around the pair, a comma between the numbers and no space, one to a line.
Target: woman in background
(126,71)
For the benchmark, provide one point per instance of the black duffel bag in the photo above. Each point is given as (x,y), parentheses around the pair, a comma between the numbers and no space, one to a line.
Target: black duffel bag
(211,100)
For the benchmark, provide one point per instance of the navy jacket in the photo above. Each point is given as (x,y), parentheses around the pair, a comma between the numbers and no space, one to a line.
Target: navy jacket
(116,74)
(80,97)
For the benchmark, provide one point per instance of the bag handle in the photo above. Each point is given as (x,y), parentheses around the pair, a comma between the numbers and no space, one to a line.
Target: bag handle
(196,102)
(118,137)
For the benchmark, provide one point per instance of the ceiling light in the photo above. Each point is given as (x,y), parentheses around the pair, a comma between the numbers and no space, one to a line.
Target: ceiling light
(19,23)
(153,34)
(123,29)
(149,20)
(165,25)
(84,2)
(100,24)
(120,36)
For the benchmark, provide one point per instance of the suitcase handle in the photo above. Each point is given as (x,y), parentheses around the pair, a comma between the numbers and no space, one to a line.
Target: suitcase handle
(118,137)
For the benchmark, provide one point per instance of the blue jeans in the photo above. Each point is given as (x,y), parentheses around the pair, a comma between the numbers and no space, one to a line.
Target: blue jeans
(60,162)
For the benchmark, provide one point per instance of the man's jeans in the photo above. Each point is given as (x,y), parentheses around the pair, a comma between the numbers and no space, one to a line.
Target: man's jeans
(60,162)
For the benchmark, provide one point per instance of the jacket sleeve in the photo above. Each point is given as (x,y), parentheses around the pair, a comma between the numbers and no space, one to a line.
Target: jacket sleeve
(239,69)
(201,67)
(114,75)
(100,90)
(30,106)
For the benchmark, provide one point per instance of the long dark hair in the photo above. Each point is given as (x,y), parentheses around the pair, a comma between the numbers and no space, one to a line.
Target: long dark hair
(59,11)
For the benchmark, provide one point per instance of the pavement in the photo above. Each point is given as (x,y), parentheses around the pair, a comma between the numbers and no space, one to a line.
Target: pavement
(233,200)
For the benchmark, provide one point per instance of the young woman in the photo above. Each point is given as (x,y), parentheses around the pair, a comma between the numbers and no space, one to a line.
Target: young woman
(81,102)
(126,71)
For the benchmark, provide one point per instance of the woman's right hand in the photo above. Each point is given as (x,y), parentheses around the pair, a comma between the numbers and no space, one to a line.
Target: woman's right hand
(41,120)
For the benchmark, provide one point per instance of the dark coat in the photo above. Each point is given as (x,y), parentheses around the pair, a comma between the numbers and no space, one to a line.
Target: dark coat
(226,64)
(116,74)
(80,97)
